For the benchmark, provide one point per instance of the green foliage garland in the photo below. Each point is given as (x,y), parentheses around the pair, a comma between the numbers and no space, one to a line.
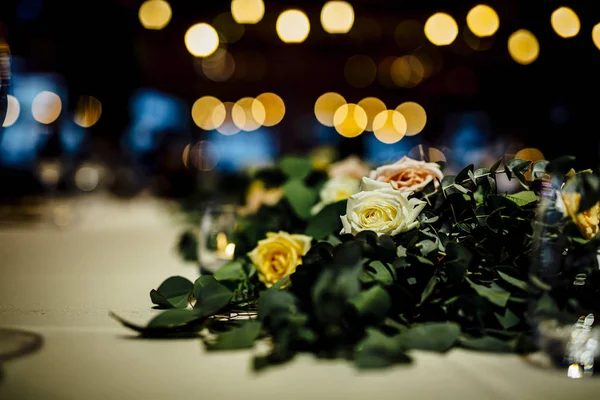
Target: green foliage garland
(461,279)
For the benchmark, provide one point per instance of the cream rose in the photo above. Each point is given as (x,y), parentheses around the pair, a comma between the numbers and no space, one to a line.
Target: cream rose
(277,256)
(351,167)
(335,190)
(380,208)
(408,175)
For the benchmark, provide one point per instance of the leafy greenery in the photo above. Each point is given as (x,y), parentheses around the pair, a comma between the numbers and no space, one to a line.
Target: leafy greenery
(464,278)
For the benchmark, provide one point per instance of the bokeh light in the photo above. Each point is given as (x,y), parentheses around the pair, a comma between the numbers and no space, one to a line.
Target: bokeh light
(87,178)
(337,17)
(155,14)
(350,120)
(274,108)
(12,111)
(483,20)
(219,66)
(372,106)
(596,35)
(565,22)
(201,40)
(384,72)
(248,114)
(415,115)
(441,29)
(247,11)
(46,107)
(228,127)
(407,71)
(523,47)
(226,25)
(88,111)
(409,35)
(293,26)
(208,113)
(326,106)
(360,71)
(203,156)
(389,126)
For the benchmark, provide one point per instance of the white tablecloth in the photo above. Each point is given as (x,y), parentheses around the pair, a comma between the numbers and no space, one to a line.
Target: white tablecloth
(62,283)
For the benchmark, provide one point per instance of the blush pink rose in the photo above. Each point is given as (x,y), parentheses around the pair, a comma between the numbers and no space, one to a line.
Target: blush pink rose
(408,175)
(352,167)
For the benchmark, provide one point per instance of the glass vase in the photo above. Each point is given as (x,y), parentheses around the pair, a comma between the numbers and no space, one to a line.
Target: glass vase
(566,284)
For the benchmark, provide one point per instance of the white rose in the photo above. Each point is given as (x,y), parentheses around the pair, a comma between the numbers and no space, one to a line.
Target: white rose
(408,175)
(335,190)
(380,208)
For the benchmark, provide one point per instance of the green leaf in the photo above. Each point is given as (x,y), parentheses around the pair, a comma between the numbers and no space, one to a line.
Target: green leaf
(170,323)
(377,350)
(427,246)
(495,166)
(231,271)
(372,303)
(458,260)
(433,336)
(296,167)
(327,221)
(463,175)
(428,289)
(187,247)
(508,320)
(495,294)
(377,271)
(514,281)
(173,319)
(300,197)
(486,343)
(241,337)
(523,198)
(172,293)
(210,295)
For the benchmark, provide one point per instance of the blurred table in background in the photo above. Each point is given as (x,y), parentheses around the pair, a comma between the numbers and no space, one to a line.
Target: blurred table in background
(62,281)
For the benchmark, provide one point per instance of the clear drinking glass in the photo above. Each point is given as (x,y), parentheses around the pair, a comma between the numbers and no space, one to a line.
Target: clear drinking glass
(568,279)
(215,239)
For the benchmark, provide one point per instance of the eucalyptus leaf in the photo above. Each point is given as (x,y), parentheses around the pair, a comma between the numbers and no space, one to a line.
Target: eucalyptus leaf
(231,271)
(372,303)
(514,281)
(301,197)
(433,336)
(494,293)
(172,293)
(377,350)
(487,343)
(296,167)
(326,221)
(240,337)
(508,320)
(210,295)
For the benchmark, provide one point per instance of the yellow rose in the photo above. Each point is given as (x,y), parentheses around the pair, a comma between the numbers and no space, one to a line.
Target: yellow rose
(586,221)
(277,256)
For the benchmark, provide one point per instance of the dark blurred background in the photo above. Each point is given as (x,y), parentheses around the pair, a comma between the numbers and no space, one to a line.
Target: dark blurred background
(119,84)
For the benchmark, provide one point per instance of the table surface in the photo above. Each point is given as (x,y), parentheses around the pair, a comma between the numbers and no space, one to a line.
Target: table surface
(61,283)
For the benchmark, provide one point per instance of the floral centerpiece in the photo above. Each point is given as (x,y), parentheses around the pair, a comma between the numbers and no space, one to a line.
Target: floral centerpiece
(368,264)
